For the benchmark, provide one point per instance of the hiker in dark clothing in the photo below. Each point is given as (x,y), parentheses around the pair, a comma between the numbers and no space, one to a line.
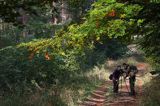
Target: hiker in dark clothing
(130,71)
(115,78)
(132,78)
(125,67)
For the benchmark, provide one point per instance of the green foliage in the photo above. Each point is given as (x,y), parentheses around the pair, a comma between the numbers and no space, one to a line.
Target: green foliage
(5,42)
(56,61)
(149,28)
(28,63)
(151,93)
(45,60)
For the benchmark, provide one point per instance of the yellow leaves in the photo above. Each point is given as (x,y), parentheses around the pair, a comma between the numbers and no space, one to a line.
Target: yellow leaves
(131,22)
(122,16)
(62,53)
(98,38)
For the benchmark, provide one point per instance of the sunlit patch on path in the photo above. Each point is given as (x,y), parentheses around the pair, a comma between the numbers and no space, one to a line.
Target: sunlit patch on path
(98,97)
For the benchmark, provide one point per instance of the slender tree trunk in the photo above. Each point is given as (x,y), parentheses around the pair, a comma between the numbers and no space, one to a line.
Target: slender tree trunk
(65,13)
(56,18)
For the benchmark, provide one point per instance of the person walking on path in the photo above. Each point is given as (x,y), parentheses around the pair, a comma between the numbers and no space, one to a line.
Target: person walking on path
(115,78)
(132,78)
(131,72)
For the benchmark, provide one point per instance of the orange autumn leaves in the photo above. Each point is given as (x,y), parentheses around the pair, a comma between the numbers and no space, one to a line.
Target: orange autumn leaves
(30,57)
(112,13)
(46,56)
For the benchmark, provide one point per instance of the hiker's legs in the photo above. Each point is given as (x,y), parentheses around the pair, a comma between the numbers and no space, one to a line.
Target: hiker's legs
(132,85)
(115,86)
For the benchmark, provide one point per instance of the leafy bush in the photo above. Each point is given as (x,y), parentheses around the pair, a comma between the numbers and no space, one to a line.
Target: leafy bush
(151,93)
(20,65)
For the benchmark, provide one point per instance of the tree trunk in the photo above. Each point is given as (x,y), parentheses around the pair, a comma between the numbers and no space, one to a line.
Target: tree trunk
(65,13)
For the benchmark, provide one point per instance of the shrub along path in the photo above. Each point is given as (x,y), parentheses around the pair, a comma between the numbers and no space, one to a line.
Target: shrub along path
(103,95)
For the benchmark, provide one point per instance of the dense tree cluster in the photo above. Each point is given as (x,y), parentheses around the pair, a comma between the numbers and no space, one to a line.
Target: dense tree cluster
(11,9)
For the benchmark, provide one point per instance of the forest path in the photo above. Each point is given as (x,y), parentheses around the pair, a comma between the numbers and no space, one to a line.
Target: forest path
(103,95)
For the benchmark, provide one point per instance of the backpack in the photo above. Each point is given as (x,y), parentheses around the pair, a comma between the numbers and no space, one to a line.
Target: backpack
(111,76)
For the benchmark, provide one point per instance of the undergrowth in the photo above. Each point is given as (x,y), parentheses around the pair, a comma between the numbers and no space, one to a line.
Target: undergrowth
(151,93)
